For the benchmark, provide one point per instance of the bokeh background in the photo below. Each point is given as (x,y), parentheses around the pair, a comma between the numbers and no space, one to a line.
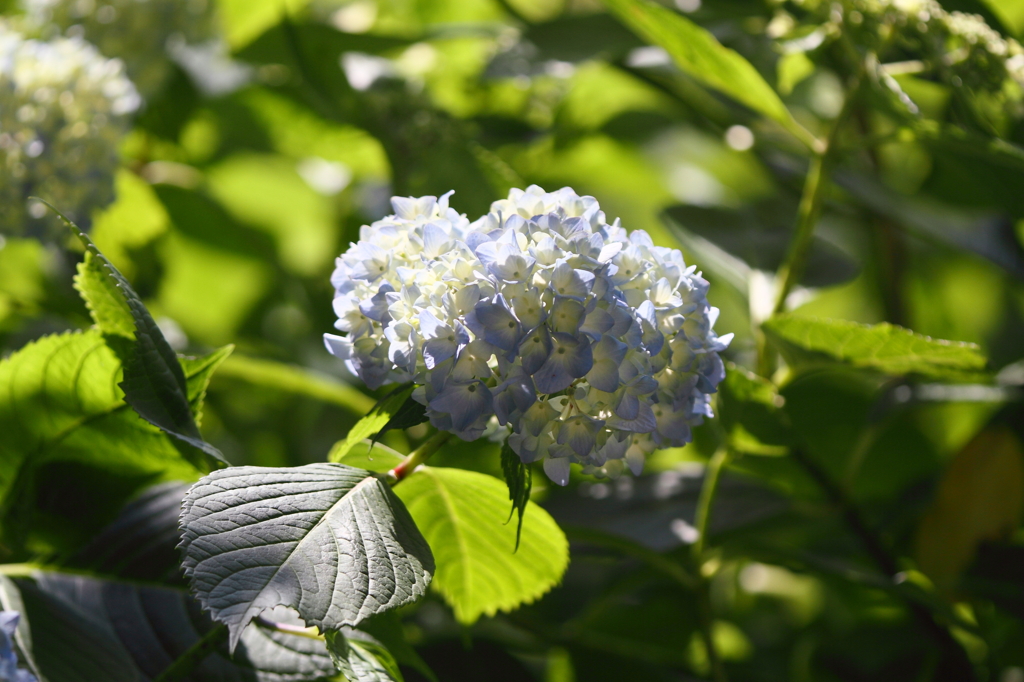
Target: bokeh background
(266,132)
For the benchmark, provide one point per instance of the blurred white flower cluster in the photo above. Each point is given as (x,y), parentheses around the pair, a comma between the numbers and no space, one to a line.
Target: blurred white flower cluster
(586,344)
(140,32)
(962,48)
(63,111)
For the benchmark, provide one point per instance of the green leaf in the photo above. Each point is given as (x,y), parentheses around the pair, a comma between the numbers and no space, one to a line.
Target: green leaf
(750,409)
(361,658)
(140,544)
(60,403)
(255,538)
(104,300)
(982,231)
(463,516)
(396,410)
(154,382)
(700,55)
(1009,12)
(294,379)
(83,629)
(519,479)
(883,347)
(111,314)
(198,372)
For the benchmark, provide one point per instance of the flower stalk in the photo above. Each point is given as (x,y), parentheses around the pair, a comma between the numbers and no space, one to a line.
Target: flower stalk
(417,457)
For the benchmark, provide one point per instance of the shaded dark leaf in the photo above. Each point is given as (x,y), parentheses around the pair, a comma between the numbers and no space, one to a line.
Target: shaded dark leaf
(519,479)
(84,629)
(760,234)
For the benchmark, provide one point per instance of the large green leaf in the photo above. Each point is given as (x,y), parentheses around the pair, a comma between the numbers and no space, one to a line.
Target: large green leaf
(60,403)
(255,538)
(154,382)
(84,629)
(883,347)
(699,54)
(464,516)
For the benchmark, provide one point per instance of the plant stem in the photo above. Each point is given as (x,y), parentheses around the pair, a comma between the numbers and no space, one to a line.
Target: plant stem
(708,490)
(297,630)
(194,655)
(417,457)
(807,218)
(810,202)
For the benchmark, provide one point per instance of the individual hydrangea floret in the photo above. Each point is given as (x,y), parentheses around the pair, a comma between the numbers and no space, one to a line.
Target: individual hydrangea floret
(139,32)
(9,671)
(63,111)
(584,343)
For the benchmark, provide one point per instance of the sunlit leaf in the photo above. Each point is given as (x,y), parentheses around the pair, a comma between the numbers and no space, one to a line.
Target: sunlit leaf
(255,538)
(104,300)
(699,54)
(463,516)
(60,402)
(154,382)
(883,347)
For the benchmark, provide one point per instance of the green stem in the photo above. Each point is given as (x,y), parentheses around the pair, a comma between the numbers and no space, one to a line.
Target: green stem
(194,655)
(807,217)
(708,490)
(810,202)
(417,457)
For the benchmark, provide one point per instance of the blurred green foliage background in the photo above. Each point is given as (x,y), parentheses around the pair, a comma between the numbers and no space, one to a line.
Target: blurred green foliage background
(253,164)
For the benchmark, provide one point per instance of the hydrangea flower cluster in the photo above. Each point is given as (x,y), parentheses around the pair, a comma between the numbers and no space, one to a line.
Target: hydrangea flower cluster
(582,342)
(63,111)
(962,47)
(139,32)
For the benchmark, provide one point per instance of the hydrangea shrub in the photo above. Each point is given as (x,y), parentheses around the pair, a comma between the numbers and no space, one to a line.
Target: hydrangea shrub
(63,111)
(581,341)
(138,32)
